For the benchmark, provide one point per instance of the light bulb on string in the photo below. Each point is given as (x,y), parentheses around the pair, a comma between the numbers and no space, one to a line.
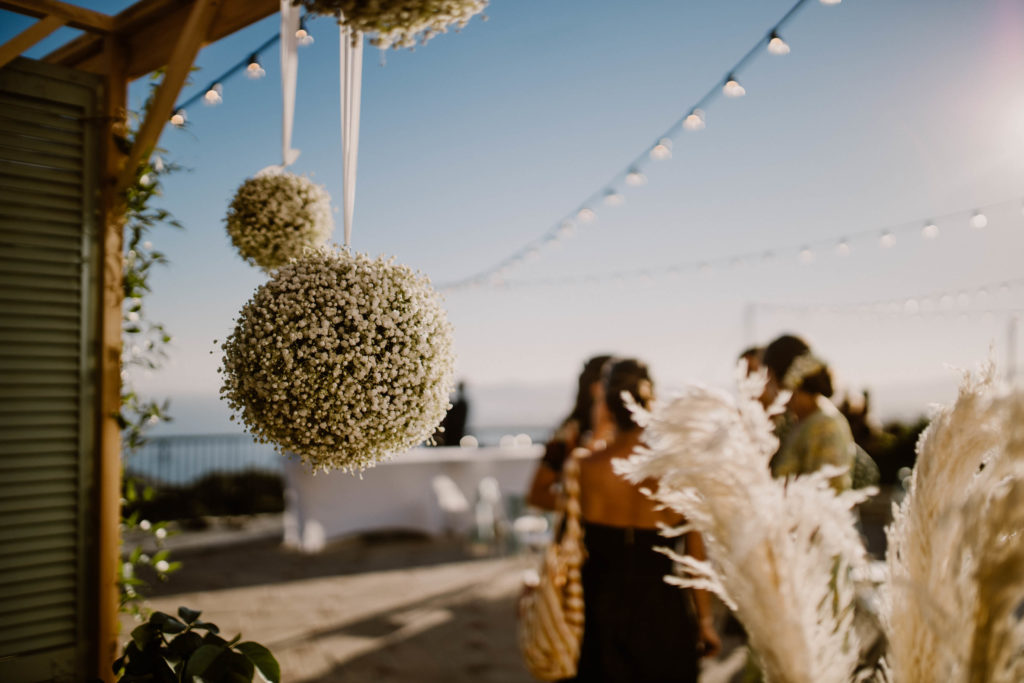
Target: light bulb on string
(979,220)
(911,307)
(704,267)
(806,256)
(843,248)
(831,2)
(768,257)
(254,70)
(302,35)
(567,228)
(635,178)
(963,299)
(930,230)
(732,87)
(585,215)
(887,239)
(947,301)
(214,95)
(613,198)
(777,46)
(694,120)
(179,118)
(662,151)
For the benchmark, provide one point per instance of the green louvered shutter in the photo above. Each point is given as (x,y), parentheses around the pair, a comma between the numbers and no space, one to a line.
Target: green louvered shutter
(48,311)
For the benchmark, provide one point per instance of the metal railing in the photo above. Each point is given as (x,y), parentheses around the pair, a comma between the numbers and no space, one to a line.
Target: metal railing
(183,460)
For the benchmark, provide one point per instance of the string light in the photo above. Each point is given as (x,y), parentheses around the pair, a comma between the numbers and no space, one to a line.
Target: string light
(254,69)
(777,46)
(178,118)
(663,150)
(930,230)
(214,95)
(831,2)
(732,87)
(585,215)
(635,178)
(302,35)
(887,239)
(613,198)
(979,220)
(806,256)
(694,120)
(566,229)
(843,248)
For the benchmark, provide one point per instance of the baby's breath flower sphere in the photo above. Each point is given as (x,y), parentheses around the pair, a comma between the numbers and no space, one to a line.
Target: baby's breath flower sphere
(341,359)
(276,215)
(399,23)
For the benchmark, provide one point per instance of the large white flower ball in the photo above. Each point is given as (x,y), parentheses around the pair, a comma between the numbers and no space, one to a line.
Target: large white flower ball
(341,359)
(276,215)
(399,23)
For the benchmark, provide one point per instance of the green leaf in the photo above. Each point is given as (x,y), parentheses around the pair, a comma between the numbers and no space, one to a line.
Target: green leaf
(167,623)
(186,644)
(209,626)
(201,660)
(144,635)
(263,660)
(189,615)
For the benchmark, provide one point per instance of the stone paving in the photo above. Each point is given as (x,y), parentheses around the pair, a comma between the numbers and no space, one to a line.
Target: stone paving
(383,609)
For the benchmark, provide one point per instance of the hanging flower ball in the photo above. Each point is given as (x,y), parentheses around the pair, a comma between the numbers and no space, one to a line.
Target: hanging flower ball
(341,359)
(276,215)
(399,23)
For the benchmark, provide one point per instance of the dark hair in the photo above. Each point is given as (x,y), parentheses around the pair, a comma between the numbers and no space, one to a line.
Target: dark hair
(752,352)
(631,375)
(779,356)
(584,400)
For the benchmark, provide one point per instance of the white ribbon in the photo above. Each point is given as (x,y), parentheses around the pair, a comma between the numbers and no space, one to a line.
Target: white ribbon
(351,62)
(289,77)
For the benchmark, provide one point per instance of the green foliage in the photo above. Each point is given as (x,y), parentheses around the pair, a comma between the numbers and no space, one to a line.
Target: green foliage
(169,649)
(220,494)
(895,447)
(144,345)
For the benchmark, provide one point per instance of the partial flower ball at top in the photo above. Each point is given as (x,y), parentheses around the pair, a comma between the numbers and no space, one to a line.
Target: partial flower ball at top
(399,23)
(341,359)
(276,215)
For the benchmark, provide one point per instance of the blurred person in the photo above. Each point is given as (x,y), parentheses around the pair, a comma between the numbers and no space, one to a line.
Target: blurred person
(752,355)
(817,434)
(636,627)
(576,430)
(453,426)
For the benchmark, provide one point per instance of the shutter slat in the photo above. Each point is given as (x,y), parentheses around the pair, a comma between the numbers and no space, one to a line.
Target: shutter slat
(42,434)
(35,337)
(21,517)
(34,144)
(52,586)
(36,602)
(36,363)
(44,452)
(41,240)
(38,159)
(19,170)
(38,350)
(17,126)
(45,113)
(40,558)
(17,212)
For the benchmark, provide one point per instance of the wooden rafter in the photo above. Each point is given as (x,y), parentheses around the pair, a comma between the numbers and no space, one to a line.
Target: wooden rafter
(189,40)
(150,28)
(73,16)
(29,37)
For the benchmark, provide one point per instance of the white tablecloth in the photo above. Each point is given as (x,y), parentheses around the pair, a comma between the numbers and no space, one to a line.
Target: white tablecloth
(400,494)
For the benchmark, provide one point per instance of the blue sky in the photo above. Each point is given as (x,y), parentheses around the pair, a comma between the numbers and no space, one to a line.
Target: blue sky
(883,114)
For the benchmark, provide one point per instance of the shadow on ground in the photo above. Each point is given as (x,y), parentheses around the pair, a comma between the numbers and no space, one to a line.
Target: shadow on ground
(266,561)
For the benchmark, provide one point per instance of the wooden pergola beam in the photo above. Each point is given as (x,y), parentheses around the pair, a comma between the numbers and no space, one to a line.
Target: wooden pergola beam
(73,16)
(29,37)
(189,40)
(149,30)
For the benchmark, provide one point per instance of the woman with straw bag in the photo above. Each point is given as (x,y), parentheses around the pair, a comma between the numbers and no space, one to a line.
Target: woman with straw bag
(637,628)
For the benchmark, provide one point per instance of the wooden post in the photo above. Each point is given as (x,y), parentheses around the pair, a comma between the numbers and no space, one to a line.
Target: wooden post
(109,386)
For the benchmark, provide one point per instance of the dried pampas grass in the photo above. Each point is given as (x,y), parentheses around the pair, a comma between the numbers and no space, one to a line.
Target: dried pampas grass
(953,599)
(780,553)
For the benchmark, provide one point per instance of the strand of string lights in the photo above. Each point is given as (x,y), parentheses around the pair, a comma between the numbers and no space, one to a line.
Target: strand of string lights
(939,303)
(612,194)
(213,94)
(805,253)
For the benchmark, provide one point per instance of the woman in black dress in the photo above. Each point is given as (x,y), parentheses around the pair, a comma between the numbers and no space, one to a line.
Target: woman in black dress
(637,627)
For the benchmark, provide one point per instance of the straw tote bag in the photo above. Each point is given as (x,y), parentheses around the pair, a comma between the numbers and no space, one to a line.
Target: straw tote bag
(551,613)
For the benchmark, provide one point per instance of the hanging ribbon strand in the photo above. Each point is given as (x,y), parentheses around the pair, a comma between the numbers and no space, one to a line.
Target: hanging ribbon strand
(351,63)
(289,78)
